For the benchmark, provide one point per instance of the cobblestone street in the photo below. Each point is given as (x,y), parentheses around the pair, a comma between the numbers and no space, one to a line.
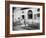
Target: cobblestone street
(24,27)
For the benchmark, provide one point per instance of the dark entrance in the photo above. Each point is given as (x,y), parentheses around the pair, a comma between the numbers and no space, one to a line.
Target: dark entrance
(30,15)
(23,16)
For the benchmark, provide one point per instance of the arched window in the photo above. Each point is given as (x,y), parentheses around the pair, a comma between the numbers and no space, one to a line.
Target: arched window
(30,14)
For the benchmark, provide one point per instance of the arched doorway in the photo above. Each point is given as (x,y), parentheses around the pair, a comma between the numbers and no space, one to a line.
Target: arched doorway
(30,14)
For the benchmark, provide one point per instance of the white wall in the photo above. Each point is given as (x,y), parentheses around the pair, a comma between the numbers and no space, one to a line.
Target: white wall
(2,20)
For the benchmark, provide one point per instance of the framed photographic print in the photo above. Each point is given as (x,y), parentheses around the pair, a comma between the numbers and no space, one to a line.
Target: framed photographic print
(24,18)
